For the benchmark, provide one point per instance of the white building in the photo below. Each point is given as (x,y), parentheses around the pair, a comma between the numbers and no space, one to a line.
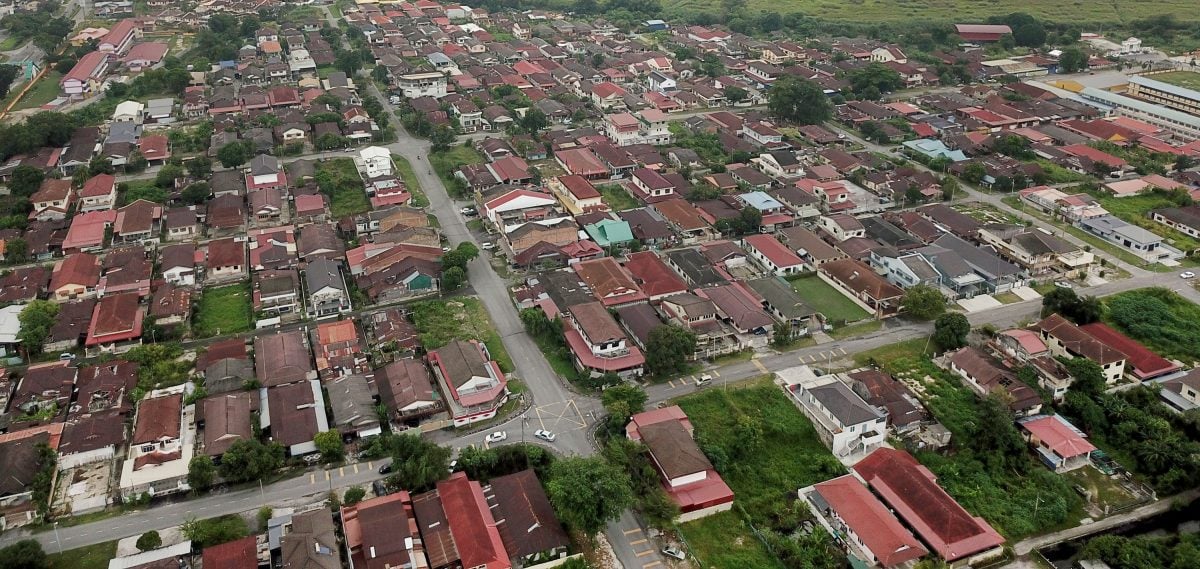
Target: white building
(164,438)
(845,423)
(415,85)
(375,161)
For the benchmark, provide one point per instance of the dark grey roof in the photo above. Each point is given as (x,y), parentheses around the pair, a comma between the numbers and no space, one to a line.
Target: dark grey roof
(983,261)
(779,295)
(888,233)
(846,406)
(694,267)
(322,273)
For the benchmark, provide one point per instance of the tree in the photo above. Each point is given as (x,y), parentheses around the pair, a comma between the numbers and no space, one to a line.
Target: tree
(348,61)
(1080,310)
(167,174)
(587,493)
(949,188)
(417,464)
(250,460)
(876,78)
(1058,301)
(233,154)
(950,331)
(196,193)
(799,100)
(329,444)
(16,251)
(1087,376)
(199,167)
(8,73)
(534,121)
(136,162)
(924,302)
(973,173)
(215,531)
(442,138)
(735,94)
(354,495)
(25,180)
(201,472)
(622,402)
(1072,60)
(149,540)
(37,318)
(668,349)
(24,554)
(994,437)
(453,278)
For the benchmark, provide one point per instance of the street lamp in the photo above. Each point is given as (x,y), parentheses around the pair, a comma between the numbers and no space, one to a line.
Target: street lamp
(57,538)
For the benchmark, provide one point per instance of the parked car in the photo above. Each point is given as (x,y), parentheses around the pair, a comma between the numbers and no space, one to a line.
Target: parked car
(704,379)
(379,488)
(1187,275)
(453,465)
(312,458)
(496,437)
(545,435)
(487,246)
(386,469)
(1063,284)
(66,356)
(672,551)
(468,211)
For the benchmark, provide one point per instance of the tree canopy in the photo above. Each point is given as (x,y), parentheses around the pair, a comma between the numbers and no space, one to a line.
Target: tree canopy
(201,473)
(247,460)
(668,349)
(24,554)
(587,493)
(622,402)
(417,464)
(924,302)
(799,100)
(37,318)
(149,540)
(1072,60)
(329,444)
(1080,310)
(950,331)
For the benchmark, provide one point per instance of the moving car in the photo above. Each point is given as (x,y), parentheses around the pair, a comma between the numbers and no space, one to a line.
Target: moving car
(1187,275)
(545,435)
(496,437)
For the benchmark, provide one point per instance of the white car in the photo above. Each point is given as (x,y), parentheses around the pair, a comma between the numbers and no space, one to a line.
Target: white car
(1187,275)
(496,437)
(704,379)
(545,435)
(1063,284)
(487,246)
(672,551)
(468,211)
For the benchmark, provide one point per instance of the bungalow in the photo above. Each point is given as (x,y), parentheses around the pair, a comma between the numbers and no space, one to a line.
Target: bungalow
(863,286)
(226,261)
(283,358)
(985,376)
(1060,445)
(52,200)
(325,287)
(772,255)
(687,476)
(406,389)
(846,424)
(75,277)
(98,193)
(869,530)
(609,282)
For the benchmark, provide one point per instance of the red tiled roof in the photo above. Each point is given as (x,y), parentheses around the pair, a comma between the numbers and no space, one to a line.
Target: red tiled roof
(78,269)
(240,554)
(581,161)
(653,275)
(149,51)
(579,187)
(1078,341)
(157,419)
(1146,364)
(475,533)
(871,521)
(98,185)
(86,66)
(1058,437)
(773,250)
(225,253)
(116,318)
(912,491)
(154,147)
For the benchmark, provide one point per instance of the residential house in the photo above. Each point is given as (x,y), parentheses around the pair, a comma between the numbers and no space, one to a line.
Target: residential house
(846,424)
(1064,338)
(161,446)
(863,286)
(295,413)
(476,385)
(1059,444)
(598,344)
(687,475)
(986,376)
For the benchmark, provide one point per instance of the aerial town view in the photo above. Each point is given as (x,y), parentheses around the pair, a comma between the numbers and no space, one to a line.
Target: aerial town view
(599,284)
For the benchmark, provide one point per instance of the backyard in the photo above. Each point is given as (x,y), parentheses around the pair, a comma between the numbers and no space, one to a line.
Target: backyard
(339,181)
(223,310)
(616,197)
(827,300)
(463,318)
(445,163)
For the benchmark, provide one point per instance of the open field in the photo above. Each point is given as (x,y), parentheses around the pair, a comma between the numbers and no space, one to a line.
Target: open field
(616,197)
(463,318)
(223,310)
(410,180)
(827,300)
(90,557)
(724,540)
(1186,79)
(924,11)
(343,186)
(42,92)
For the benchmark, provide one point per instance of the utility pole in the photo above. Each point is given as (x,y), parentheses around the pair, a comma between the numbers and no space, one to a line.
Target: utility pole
(56,538)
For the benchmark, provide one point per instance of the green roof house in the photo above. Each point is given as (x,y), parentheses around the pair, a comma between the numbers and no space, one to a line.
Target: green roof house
(608,232)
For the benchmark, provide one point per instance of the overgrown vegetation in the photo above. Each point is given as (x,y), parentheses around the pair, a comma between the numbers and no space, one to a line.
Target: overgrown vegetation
(223,310)
(1159,318)
(215,531)
(440,321)
(338,179)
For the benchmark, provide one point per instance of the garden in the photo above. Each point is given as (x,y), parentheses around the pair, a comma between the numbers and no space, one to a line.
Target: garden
(223,310)
(464,318)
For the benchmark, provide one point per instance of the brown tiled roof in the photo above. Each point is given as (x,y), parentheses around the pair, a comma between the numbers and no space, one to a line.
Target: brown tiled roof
(282,358)
(1078,341)
(226,419)
(595,321)
(293,413)
(52,189)
(93,431)
(115,314)
(860,278)
(19,463)
(462,361)
(404,382)
(78,269)
(226,252)
(523,512)
(158,418)
(673,449)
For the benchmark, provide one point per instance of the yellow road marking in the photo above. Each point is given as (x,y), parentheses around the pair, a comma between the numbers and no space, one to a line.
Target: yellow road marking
(716,373)
(327,475)
(629,531)
(670,384)
(760,366)
(312,478)
(342,471)
(644,553)
(638,542)
(356,468)
(653,564)
(370,466)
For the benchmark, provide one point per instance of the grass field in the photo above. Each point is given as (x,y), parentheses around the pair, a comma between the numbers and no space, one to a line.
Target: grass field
(1186,79)
(827,300)
(617,198)
(1134,209)
(10,43)
(223,310)
(462,318)
(724,540)
(347,195)
(793,457)
(892,11)
(90,557)
(410,180)
(446,163)
(44,91)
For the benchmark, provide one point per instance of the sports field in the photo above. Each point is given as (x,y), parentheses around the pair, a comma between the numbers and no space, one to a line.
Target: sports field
(1186,79)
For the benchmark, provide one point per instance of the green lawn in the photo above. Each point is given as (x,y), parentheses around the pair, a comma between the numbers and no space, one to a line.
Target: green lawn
(1134,209)
(462,318)
(339,180)
(447,162)
(827,300)
(617,198)
(223,310)
(90,557)
(410,180)
(789,456)
(10,43)
(853,330)
(724,540)
(1185,79)
(42,92)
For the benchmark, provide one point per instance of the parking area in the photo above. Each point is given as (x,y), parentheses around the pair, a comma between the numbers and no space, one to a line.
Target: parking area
(642,547)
